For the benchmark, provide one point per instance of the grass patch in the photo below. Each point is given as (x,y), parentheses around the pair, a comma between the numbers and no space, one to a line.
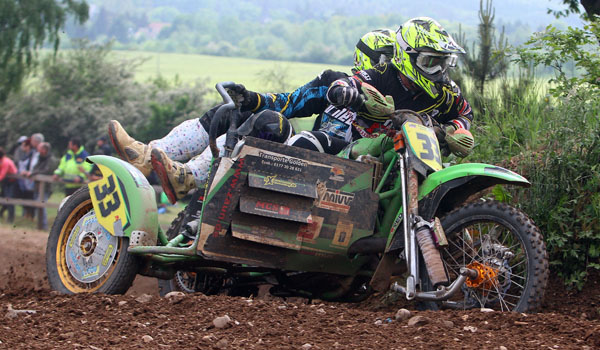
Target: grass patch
(214,69)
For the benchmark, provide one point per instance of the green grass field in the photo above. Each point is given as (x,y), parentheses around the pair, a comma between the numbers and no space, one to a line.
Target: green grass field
(190,68)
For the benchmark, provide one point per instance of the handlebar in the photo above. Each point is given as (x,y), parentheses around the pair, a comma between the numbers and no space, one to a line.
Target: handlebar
(214,125)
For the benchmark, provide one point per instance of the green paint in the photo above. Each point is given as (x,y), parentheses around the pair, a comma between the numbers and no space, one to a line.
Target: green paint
(140,195)
(469,169)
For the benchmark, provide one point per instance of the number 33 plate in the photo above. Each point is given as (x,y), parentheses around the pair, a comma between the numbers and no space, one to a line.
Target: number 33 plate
(424,144)
(109,203)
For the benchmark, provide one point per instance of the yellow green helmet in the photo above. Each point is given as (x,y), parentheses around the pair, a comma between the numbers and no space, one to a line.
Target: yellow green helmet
(423,52)
(373,48)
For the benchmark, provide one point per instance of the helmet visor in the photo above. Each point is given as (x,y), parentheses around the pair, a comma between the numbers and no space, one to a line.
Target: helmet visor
(434,63)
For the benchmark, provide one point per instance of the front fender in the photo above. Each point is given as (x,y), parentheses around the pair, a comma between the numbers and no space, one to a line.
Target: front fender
(123,199)
(449,187)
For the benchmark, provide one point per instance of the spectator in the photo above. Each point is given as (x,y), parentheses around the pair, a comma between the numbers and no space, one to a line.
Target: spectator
(103,147)
(16,151)
(73,168)
(36,139)
(7,167)
(45,166)
(24,167)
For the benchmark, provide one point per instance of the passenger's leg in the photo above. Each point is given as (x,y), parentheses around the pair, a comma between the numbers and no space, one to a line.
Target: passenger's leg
(318,141)
(183,142)
(178,179)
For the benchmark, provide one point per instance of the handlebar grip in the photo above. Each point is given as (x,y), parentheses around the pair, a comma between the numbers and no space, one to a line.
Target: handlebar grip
(214,124)
(221,89)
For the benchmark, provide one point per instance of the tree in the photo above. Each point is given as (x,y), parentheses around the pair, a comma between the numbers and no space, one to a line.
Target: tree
(485,65)
(24,27)
(591,7)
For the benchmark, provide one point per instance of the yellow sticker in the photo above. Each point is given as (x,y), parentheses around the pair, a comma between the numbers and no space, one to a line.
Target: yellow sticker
(343,233)
(108,201)
(109,251)
(424,144)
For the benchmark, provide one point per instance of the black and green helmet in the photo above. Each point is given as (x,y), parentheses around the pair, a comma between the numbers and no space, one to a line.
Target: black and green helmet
(373,48)
(423,52)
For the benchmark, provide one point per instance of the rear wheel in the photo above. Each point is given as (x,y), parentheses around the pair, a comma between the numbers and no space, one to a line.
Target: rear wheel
(82,257)
(507,250)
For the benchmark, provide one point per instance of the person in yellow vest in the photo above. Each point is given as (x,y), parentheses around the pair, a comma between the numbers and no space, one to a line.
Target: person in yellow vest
(73,168)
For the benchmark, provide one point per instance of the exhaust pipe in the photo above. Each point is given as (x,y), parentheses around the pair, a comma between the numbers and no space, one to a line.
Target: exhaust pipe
(443,293)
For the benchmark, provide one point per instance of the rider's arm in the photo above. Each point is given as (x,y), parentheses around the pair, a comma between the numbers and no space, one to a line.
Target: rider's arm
(457,111)
(305,101)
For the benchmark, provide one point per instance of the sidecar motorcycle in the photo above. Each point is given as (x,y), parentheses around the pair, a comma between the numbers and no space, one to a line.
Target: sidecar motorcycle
(310,224)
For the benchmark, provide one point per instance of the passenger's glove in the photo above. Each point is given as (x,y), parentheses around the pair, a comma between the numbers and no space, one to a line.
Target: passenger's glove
(460,141)
(248,100)
(343,95)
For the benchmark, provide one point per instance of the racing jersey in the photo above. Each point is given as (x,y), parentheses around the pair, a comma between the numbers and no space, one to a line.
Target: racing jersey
(344,122)
(305,101)
(448,108)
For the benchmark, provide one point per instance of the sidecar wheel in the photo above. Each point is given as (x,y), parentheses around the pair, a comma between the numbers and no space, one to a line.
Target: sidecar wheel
(188,281)
(508,250)
(82,257)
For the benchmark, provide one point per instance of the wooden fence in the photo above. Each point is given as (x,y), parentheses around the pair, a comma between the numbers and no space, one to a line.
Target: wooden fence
(43,181)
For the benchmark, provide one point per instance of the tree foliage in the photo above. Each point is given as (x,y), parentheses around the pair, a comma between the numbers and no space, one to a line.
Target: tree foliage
(555,48)
(24,27)
(80,90)
(591,7)
(482,63)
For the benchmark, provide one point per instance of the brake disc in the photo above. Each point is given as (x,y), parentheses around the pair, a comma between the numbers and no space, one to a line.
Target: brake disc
(90,249)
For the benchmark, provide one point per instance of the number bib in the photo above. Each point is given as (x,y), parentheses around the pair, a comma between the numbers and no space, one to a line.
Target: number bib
(424,144)
(109,203)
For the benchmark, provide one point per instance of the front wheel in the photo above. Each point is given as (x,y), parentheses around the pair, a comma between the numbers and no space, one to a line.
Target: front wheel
(82,257)
(505,247)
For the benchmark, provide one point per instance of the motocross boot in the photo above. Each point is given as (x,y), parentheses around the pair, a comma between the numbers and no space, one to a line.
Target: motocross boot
(176,178)
(134,152)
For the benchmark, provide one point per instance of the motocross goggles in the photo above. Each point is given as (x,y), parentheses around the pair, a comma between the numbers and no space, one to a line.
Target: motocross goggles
(433,63)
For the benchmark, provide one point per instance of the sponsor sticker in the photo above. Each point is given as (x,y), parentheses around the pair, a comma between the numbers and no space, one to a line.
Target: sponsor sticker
(272,208)
(106,257)
(91,271)
(310,232)
(283,162)
(343,234)
(336,200)
(336,174)
(272,180)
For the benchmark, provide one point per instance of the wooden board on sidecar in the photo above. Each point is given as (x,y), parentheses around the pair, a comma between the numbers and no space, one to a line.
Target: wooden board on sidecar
(274,205)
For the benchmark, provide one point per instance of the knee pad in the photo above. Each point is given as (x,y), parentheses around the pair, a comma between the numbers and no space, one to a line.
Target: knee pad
(307,140)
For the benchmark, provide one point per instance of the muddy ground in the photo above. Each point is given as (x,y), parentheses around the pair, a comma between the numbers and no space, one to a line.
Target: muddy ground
(141,319)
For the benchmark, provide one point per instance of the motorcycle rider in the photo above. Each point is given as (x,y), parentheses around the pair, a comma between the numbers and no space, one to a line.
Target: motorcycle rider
(191,137)
(416,79)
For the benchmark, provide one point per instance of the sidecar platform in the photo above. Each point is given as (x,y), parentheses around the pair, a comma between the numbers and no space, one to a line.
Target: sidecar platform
(274,205)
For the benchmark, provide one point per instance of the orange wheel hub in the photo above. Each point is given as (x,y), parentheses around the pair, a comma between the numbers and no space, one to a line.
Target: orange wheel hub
(486,276)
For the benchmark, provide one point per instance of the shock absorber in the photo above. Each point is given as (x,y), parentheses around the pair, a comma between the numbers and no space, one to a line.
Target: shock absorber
(431,254)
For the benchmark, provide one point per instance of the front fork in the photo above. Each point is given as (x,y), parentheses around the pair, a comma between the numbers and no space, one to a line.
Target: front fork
(408,177)
(417,237)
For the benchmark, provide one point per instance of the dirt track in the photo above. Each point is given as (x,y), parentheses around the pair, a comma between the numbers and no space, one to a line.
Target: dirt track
(568,321)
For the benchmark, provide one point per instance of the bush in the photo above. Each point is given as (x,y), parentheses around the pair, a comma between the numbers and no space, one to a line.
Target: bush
(80,90)
(553,140)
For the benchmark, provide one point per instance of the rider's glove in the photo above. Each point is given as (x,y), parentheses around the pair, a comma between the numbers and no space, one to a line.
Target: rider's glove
(460,141)
(341,94)
(440,133)
(248,100)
